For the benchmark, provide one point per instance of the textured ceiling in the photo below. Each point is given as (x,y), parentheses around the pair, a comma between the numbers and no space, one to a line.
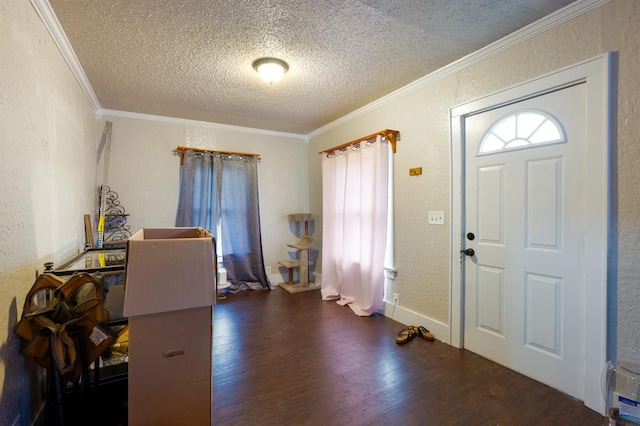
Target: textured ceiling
(192,58)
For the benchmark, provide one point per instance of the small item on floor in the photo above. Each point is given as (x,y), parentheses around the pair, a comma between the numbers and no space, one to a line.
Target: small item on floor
(422,332)
(406,335)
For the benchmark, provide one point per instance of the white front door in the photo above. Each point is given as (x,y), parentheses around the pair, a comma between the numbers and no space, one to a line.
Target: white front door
(525,202)
(534,295)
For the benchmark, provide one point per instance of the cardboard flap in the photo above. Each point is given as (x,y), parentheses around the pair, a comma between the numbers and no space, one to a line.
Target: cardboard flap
(169,269)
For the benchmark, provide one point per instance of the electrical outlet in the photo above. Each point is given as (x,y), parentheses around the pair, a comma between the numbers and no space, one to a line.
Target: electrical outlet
(268,270)
(396,298)
(436,218)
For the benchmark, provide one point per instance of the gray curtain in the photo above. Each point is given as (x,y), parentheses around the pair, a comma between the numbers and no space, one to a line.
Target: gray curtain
(224,188)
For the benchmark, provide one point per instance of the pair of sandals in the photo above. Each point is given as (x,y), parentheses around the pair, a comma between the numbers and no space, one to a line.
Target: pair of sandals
(408,334)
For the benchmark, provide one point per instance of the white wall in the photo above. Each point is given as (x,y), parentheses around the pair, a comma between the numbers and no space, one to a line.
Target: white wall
(145,173)
(49,135)
(47,168)
(422,117)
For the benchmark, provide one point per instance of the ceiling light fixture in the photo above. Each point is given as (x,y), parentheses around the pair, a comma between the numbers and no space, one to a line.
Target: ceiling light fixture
(270,69)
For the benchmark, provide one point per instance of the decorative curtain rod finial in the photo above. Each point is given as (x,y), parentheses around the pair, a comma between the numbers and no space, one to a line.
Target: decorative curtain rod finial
(391,135)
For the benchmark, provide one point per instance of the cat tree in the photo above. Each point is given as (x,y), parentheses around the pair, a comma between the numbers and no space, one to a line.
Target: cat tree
(302,248)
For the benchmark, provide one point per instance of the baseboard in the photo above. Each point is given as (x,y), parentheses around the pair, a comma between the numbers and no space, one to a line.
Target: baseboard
(275,279)
(406,316)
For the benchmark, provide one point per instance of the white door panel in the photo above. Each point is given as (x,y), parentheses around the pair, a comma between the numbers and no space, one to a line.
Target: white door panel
(524,287)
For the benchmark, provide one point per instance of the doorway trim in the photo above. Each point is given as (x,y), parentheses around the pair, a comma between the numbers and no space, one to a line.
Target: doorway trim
(596,73)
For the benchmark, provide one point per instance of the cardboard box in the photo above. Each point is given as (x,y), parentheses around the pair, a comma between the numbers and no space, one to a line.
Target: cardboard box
(169,269)
(169,297)
(170,374)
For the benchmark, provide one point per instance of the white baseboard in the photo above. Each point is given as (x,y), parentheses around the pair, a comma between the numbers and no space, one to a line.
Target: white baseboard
(275,279)
(406,316)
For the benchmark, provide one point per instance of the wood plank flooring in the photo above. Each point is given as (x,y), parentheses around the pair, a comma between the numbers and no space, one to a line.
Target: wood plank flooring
(293,359)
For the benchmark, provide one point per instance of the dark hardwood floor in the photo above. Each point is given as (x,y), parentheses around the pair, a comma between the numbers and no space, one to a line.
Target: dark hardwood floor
(293,359)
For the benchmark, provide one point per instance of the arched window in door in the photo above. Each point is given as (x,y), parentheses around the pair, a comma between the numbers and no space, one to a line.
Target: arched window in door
(522,129)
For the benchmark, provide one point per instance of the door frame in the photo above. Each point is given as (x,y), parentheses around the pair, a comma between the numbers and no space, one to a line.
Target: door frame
(596,74)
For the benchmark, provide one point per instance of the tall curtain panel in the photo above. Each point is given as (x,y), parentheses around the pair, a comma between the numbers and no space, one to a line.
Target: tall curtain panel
(354,236)
(223,189)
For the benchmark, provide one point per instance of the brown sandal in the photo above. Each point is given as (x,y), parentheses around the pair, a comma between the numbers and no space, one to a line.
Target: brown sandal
(405,336)
(425,334)
(422,332)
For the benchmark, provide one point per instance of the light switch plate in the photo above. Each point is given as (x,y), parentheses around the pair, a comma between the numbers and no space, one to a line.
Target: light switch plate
(436,218)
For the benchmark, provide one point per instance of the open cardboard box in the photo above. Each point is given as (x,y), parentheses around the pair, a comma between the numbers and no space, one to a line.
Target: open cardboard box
(169,296)
(169,269)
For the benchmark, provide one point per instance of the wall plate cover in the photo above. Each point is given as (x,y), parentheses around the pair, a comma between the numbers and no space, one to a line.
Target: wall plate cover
(436,218)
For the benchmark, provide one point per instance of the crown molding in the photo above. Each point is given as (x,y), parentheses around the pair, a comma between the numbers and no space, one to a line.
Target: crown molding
(544,24)
(48,17)
(207,124)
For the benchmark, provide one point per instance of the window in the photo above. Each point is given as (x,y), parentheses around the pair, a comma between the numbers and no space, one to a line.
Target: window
(220,192)
(522,129)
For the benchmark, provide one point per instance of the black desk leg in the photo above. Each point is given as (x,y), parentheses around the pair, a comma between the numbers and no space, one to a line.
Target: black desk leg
(54,408)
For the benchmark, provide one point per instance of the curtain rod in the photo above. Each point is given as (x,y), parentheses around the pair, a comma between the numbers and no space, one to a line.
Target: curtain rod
(180,150)
(391,135)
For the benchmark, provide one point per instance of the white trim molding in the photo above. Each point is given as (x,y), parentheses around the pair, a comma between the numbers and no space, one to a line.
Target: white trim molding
(596,74)
(563,15)
(196,123)
(48,17)
(406,316)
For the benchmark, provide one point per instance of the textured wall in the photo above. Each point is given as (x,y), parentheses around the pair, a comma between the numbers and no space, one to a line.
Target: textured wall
(622,20)
(145,174)
(47,170)
(47,167)
(422,251)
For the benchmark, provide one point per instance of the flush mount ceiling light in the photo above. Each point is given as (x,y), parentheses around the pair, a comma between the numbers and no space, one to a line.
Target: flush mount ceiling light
(270,69)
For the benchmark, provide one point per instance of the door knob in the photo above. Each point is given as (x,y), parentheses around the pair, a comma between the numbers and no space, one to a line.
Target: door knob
(468,252)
